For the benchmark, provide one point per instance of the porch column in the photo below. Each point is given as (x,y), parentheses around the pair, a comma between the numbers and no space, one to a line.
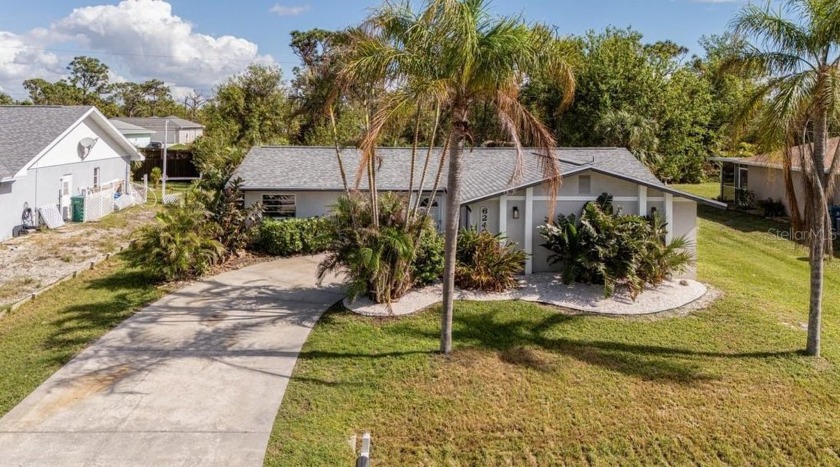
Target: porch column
(669,217)
(643,200)
(503,214)
(529,229)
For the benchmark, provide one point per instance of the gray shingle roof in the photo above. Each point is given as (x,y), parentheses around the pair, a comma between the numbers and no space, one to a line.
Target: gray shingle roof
(158,123)
(128,128)
(26,130)
(487,171)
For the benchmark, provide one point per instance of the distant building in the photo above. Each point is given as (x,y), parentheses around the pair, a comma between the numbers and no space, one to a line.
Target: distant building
(138,136)
(177,131)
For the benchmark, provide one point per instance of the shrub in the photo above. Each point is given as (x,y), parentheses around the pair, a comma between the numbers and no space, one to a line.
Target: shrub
(486,261)
(180,244)
(602,246)
(383,256)
(289,237)
(236,224)
(772,208)
(427,266)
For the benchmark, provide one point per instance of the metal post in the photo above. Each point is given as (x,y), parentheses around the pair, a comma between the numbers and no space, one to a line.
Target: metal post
(165,142)
(364,456)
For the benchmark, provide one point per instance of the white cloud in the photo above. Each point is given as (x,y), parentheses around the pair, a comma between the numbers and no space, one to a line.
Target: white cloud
(21,57)
(138,39)
(152,42)
(290,10)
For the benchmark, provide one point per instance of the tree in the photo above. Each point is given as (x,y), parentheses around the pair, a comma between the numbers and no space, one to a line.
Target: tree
(455,53)
(797,49)
(193,103)
(250,108)
(90,76)
(6,99)
(42,92)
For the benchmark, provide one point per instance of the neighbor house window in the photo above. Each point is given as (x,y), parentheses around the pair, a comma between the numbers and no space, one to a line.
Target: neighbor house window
(278,205)
(584,185)
(96,178)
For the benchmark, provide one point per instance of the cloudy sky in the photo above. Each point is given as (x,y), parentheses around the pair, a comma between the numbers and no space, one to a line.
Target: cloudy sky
(193,44)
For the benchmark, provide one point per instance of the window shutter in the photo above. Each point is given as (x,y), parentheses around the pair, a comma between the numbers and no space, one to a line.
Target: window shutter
(584,184)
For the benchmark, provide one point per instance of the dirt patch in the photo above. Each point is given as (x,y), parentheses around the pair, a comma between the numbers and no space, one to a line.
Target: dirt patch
(34,261)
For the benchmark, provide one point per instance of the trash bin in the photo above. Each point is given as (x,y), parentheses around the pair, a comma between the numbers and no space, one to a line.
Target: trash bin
(77,208)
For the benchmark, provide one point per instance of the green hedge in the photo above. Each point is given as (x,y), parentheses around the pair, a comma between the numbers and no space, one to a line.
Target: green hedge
(289,237)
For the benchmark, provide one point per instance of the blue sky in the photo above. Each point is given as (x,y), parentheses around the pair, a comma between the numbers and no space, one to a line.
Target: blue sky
(39,37)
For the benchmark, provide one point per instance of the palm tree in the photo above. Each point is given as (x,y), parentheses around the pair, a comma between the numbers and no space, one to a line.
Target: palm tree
(455,54)
(797,49)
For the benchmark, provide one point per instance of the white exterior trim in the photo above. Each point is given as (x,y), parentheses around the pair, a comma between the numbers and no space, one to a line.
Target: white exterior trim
(503,215)
(643,200)
(669,217)
(103,122)
(590,198)
(529,229)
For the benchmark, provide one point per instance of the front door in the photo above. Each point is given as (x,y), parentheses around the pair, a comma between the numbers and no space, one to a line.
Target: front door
(65,193)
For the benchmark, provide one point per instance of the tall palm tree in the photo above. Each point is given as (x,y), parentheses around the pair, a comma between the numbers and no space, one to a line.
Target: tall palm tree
(797,48)
(456,54)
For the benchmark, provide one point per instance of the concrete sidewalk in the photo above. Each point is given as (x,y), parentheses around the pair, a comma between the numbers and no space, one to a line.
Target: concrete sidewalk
(194,379)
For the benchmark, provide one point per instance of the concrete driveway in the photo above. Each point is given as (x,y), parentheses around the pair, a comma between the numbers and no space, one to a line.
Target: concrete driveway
(194,379)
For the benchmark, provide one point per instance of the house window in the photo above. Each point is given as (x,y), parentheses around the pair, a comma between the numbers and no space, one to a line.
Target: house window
(96,178)
(743,175)
(584,185)
(278,205)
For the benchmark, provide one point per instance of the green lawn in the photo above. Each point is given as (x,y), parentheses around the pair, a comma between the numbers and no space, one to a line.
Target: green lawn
(527,385)
(709,190)
(41,336)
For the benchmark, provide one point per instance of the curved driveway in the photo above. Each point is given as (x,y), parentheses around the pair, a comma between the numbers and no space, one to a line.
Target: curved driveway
(194,379)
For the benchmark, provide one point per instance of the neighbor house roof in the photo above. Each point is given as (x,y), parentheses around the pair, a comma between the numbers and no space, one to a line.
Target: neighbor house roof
(129,129)
(487,171)
(158,123)
(28,130)
(25,130)
(774,159)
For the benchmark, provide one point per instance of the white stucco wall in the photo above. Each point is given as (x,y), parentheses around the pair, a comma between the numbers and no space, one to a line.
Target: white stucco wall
(496,212)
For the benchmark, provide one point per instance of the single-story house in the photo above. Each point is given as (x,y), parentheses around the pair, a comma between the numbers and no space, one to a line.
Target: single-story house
(305,182)
(50,153)
(761,177)
(167,130)
(138,136)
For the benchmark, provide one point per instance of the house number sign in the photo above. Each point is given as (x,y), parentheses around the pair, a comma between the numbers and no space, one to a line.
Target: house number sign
(484,216)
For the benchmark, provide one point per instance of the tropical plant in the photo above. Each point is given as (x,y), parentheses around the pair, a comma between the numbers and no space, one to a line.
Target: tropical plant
(796,48)
(456,54)
(235,223)
(377,256)
(603,246)
(155,175)
(180,244)
(487,262)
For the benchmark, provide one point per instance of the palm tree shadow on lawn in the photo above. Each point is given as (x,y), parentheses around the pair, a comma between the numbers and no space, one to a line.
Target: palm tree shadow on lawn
(511,339)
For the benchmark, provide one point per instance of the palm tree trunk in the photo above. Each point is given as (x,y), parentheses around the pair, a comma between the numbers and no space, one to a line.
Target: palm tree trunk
(795,214)
(818,233)
(453,214)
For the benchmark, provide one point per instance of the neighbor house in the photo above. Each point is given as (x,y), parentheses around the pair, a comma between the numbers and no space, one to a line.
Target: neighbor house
(138,136)
(50,153)
(761,177)
(305,182)
(167,130)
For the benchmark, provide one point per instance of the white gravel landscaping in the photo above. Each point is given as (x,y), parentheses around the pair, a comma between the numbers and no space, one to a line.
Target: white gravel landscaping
(547,288)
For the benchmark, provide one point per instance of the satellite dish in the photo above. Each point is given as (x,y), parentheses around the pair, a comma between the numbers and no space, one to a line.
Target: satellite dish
(85,144)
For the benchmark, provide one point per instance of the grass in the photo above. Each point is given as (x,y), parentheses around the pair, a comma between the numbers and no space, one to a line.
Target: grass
(527,385)
(41,336)
(709,190)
